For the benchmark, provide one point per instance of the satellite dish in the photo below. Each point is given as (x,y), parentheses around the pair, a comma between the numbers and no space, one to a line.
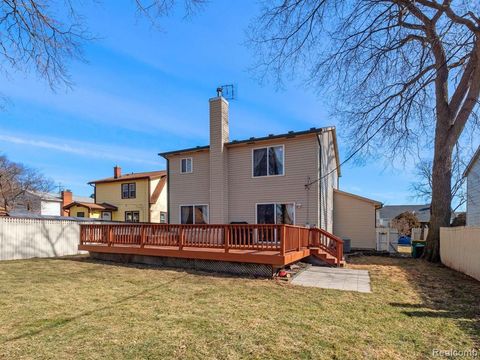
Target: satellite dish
(228,91)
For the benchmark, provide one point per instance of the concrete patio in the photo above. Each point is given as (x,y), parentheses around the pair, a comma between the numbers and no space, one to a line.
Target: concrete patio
(334,278)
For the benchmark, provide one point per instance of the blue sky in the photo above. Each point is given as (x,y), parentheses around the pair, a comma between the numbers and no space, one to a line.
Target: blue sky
(144,91)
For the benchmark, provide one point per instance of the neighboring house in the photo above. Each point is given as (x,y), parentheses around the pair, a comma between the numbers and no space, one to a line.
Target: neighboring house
(354,218)
(46,204)
(387,213)
(135,197)
(282,179)
(472,173)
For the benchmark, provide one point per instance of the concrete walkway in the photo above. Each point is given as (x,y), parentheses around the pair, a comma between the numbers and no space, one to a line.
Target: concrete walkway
(334,278)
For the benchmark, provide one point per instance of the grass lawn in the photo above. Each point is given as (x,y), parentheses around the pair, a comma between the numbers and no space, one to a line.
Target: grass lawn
(62,309)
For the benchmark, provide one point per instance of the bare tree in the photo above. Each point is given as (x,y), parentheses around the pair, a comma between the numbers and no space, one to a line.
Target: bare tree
(405,75)
(422,188)
(32,37)
(44,36)
(18,183)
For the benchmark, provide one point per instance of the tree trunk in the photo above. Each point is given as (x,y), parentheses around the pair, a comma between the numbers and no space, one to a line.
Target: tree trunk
(440,211)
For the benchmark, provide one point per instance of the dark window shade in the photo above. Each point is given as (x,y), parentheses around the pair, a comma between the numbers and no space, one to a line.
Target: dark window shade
(275,160)
(186,214)
(266,214)
(260,162)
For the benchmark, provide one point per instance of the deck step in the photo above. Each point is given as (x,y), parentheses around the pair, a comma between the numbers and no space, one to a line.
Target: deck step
(326,257)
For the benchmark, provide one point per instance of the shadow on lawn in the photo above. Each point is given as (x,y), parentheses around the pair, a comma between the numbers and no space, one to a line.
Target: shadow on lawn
(54,323)
(444,293)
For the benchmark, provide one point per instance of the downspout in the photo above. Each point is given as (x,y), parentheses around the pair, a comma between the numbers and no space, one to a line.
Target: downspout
(149,207)
(168,191)
(319,203)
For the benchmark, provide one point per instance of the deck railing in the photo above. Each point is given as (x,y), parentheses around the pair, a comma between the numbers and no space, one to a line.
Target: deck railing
(261,237)
(329,243)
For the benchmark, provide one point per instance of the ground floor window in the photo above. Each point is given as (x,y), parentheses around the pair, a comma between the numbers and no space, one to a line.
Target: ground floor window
(194,214)
(163,217)
(132,216)
(106,215)
(80,214)
(276,213)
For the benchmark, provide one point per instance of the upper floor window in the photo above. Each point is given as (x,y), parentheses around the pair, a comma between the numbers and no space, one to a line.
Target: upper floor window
(129,191)
(187,165)
(268,161)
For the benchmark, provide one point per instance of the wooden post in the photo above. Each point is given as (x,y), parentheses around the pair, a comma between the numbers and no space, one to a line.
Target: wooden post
(282,239)
(226,238)
(339,252)
(110,235)
(142,238)
(180,238)
(299,234)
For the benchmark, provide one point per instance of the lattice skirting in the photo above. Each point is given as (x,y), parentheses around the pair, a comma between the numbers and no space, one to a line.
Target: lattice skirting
(245,269)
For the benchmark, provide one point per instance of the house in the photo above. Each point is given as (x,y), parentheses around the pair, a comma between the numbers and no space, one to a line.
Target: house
(134,197)
(232,204)
(387,213)
(472,173)
(277,179)
(46,204)
(354,218)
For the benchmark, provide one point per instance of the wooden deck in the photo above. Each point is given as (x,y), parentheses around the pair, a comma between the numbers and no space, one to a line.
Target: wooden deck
(275,245)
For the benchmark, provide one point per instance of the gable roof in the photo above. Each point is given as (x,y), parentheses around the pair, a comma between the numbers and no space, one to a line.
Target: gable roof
(290,134)
(158,190)
(90,206)
(472,162)
(151,175)
(376,203)
(422,212)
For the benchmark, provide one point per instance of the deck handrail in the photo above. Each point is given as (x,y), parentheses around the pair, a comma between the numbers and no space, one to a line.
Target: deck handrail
(326,241)
(262,237)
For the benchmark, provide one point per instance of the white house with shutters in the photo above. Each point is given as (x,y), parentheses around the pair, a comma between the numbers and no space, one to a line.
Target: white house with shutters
(472,173)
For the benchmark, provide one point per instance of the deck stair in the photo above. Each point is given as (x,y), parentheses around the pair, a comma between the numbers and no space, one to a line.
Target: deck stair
(326,247)
(325,257)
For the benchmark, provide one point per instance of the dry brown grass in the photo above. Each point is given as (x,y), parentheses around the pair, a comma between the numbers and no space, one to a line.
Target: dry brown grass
(80,309)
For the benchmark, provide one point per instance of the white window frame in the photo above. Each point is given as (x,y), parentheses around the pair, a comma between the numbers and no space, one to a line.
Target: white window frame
(266,147)
(192,205)
(191,165)
(276,203)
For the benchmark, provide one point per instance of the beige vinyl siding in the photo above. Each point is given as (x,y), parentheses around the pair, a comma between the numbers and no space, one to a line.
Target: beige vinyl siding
(354,219)
(473,195)
(300,163)
(218,161)
(328,165)
(190,188)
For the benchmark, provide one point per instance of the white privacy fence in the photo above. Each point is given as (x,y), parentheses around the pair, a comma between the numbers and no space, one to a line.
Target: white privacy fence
(23,238)
(460,249)
(419,234)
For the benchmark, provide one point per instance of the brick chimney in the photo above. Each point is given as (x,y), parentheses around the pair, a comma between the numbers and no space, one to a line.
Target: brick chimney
(67,199)
(117,171)
(218,160)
